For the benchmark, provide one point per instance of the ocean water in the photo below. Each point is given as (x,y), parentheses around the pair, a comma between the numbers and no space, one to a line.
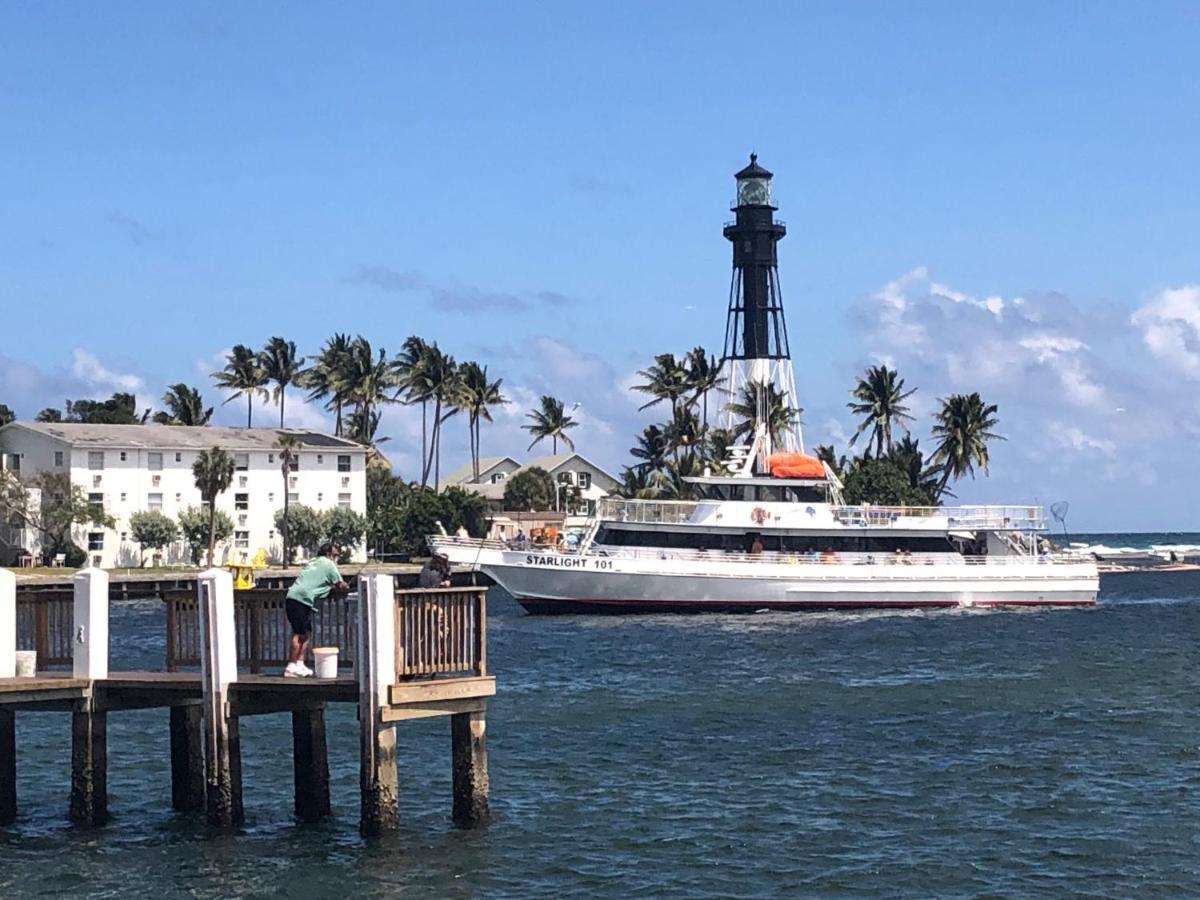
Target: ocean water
(940,753)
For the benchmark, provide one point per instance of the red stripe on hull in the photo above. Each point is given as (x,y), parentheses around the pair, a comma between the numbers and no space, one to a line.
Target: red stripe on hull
(546,606)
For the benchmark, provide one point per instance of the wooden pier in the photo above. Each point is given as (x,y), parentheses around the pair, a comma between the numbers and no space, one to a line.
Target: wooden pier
(403,654)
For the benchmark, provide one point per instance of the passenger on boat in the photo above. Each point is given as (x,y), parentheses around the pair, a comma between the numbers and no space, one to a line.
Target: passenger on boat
(756,547)
(828,556)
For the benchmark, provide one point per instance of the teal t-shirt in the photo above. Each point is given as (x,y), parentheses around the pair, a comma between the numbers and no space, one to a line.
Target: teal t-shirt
(314,581)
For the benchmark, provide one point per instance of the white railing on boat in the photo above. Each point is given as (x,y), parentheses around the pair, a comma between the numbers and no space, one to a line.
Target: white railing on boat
(646,512)
(828,557)
(1017,518)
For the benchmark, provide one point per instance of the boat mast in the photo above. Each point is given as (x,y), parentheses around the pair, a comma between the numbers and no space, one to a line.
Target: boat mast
(756,361)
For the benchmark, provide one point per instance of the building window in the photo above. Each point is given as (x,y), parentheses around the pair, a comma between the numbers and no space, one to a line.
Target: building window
(344,462)
(95,459)
(58,459)
(564,478)
(14,462)
(123,497)
(293,498)
(345,482)
(242,519)
(96,502)
(155,480)
(320,459)
(124,536)
(243,481)
(320,497)
(294,463)
(291,481)
(498,477)
(95,540)
(178,497)
(344,501)
(154,461)
(178,457)
(154,501)
(271,535)
(271,497)
(241,539)
(241,501)
(122,456)
(241,461)
(585,480)
(271,459)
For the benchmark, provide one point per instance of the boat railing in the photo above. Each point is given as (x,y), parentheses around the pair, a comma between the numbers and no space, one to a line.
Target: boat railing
(828,557)
(646,512)
(1016,518)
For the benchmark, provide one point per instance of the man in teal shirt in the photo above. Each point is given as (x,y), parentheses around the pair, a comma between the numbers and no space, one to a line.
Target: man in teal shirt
(316,581)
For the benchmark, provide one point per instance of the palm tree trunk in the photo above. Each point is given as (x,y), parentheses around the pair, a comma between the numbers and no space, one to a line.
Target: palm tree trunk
(337,426)
(212,529)
(434,433)
(249,409)
(424,441)
(282,398)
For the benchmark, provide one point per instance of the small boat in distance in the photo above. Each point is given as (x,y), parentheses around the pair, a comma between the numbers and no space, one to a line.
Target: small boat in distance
(770,530)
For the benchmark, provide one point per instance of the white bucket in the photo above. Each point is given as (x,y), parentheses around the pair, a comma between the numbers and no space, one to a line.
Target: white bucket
(325,662)
(26,663)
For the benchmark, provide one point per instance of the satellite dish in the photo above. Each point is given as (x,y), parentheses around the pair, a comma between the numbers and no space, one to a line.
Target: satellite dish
(1059,511)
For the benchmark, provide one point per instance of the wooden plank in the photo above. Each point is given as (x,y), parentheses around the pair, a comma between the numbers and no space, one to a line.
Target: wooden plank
(441,689)
(409,711)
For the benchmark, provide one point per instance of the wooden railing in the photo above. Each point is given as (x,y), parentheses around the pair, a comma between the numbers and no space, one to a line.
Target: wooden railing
(263,634)
(441,631)
(45,621)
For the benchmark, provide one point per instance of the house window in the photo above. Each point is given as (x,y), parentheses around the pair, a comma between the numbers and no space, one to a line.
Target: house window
(153,461)
(271,497)
(155,480)
(123,497)
(14,462)
(124,536)
(564,478)
(154,501)
(58,459)
(241,501)
(95,540)
(345,482)
(585,480)
(241,461)
(95,459)
(499,477)
(243,481)
(320,497)
(178,497)
(178,457)
(344,462)
(241,539)
(122,456)
(242,519)
(344,501)
(293,498)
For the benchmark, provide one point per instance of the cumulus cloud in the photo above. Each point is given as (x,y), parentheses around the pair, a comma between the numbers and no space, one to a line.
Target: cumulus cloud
(1170,327)
(87,367)
(454,298)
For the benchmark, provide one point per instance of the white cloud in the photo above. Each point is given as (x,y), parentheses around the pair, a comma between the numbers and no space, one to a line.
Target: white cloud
(1170,326)
(87,367)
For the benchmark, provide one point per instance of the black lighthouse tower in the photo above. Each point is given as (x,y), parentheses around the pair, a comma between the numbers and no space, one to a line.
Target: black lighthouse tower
(755,328)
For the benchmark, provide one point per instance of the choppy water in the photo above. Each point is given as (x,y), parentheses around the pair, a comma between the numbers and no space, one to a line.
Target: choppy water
(959,753)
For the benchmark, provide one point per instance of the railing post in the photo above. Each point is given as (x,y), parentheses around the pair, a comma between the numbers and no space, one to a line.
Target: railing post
(218,668)
(376,664)
(90,642)
(8,624)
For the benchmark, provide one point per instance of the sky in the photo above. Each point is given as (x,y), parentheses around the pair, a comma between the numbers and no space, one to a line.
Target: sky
(991,197)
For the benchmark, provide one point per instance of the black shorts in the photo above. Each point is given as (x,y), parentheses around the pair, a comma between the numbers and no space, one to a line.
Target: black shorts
(299,616)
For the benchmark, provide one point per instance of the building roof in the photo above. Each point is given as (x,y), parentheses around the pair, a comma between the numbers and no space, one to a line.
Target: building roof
(754,170)
(184,437)
(464,474)
(550,462)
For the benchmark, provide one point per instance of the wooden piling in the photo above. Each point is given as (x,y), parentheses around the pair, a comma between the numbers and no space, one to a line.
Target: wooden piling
(468,739)
(187,758)
(89,765)
(311,763)
(218,668)
(8,766)
(378,780)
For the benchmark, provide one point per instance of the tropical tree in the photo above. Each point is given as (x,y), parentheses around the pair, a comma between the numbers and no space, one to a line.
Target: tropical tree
(6,415)
(651,448)
(879,397)
(302,527)
(636,483)
(532,488)
(213,473)
(50,505)
(684,431)
(283,367)
(344,527)
(197,525)
(288,446)
(839,465)
(414,386)
(327,377)
(882,482)
(244,376)
(671,483)
(478,395)
(551,421)
(781,417)
(440,381)
(153,529)
(49,414)
(184,406)
(367,380)
(666,380)
(716,444)
(703,375)
(962,427)
(909,458)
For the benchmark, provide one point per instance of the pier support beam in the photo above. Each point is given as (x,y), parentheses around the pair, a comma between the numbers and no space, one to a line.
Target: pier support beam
(378,779)
(8,765)
(8,624)
(89,765)
(468,739)
(187,758)
(218,669)
(311,763)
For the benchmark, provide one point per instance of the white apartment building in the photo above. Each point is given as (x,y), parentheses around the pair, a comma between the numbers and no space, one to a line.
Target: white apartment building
(128,468)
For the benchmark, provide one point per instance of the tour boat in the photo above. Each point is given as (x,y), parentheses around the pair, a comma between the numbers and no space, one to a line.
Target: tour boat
(768,528)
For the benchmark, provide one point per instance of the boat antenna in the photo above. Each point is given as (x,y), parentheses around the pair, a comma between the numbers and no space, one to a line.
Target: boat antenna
(1059,511)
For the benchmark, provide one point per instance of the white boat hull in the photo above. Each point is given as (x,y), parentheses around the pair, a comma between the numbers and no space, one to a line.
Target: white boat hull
(548,582)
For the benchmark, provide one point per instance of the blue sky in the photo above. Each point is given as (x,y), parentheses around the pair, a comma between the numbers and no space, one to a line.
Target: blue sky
(992,197)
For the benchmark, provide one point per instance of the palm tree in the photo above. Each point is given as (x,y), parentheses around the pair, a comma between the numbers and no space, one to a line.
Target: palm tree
(665,380)
(243,374)
(184,407)
(288,446)
(283,367)
(780,415)
(962,428)
(684,431)
(717,442)
(879,398)
(550,422)
(908,457)
(651,449)
(213,473)
(368,380)
(439,382)
(410,371)
(326,377)
(703,375)
(837,464)
(478,396)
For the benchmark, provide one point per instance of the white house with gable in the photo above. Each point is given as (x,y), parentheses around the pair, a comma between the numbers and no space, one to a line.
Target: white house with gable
(569,470)
(127,468)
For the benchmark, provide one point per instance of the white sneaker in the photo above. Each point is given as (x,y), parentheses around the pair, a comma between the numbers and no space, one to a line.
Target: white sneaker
(296,670)
(305,671)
